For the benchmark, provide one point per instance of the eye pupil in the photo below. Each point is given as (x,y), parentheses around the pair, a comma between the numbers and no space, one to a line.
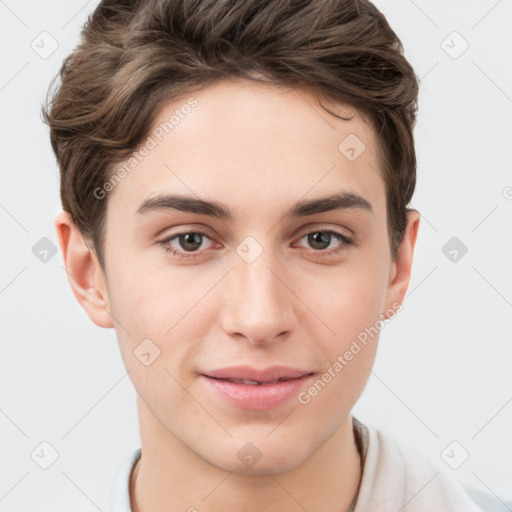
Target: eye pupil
(190,238)
(321,238)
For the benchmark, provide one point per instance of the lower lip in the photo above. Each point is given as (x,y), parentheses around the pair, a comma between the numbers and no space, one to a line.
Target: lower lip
(247,396)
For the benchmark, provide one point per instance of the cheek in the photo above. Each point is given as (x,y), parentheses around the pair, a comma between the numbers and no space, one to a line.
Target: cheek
(350,305)
(159,304)
(352,313)
(149,297)
(349,354)
(347,300)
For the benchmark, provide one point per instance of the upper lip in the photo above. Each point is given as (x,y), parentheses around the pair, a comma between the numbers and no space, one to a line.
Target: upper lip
(269,374)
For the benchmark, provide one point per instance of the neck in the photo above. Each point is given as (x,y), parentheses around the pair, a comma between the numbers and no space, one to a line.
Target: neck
(169,476)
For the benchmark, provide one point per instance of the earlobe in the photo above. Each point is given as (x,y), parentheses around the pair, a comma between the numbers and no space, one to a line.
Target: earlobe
(401,268)
(83,271)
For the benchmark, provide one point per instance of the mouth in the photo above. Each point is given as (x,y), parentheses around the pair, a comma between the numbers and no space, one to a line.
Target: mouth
(249,388)
(254,382)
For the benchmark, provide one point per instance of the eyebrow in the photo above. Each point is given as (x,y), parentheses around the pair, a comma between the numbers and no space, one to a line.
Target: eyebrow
(339,201)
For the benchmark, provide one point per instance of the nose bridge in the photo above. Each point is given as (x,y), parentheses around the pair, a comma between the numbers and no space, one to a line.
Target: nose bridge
(258,304)
(259,278)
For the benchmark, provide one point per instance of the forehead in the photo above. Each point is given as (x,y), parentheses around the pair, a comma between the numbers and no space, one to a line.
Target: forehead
(238,139)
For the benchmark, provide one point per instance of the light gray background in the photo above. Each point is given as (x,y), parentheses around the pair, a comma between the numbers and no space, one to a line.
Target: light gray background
(443,368)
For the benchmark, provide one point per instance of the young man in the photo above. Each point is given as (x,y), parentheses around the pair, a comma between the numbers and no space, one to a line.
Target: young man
(235,178)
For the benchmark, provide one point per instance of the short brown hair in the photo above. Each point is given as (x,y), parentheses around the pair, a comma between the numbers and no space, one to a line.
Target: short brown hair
(134,56)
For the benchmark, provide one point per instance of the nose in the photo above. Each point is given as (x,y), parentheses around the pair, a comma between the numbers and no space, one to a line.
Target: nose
(258,304)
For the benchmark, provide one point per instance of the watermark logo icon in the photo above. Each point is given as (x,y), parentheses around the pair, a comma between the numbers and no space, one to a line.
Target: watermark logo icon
(44,455)
(352,147)
(44,250)
(455,455)
(146,352)
(454,45)
(249,455)
(249,249)
(44,45)
(454,249)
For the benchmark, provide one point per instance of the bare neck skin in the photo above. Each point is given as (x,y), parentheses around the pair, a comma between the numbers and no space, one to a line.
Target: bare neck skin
(169,476)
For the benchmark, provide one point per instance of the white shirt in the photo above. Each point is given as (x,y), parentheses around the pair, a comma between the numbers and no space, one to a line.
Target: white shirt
(394,478)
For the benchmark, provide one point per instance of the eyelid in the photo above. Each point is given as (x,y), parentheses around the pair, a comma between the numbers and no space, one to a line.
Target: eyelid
(316,228)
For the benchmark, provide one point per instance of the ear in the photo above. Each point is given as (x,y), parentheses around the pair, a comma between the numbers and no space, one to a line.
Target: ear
(400,272)
(84,272)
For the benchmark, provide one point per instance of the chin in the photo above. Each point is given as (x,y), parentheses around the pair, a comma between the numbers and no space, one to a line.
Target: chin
(258,458)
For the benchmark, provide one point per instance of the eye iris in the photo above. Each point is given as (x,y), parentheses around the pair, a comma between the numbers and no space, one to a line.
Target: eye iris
(321,238)
(190,238)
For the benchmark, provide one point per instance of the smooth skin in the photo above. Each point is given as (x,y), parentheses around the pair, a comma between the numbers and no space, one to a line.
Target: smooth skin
(257,149)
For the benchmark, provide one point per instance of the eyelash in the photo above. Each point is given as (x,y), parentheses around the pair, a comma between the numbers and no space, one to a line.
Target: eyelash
(324,252)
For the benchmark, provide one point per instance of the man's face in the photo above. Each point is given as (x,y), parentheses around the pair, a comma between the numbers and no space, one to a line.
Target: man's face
(262,289)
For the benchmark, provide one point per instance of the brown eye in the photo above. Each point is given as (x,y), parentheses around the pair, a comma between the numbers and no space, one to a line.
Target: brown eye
(190,241)
(327,242)
(179,244)
(319,240)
